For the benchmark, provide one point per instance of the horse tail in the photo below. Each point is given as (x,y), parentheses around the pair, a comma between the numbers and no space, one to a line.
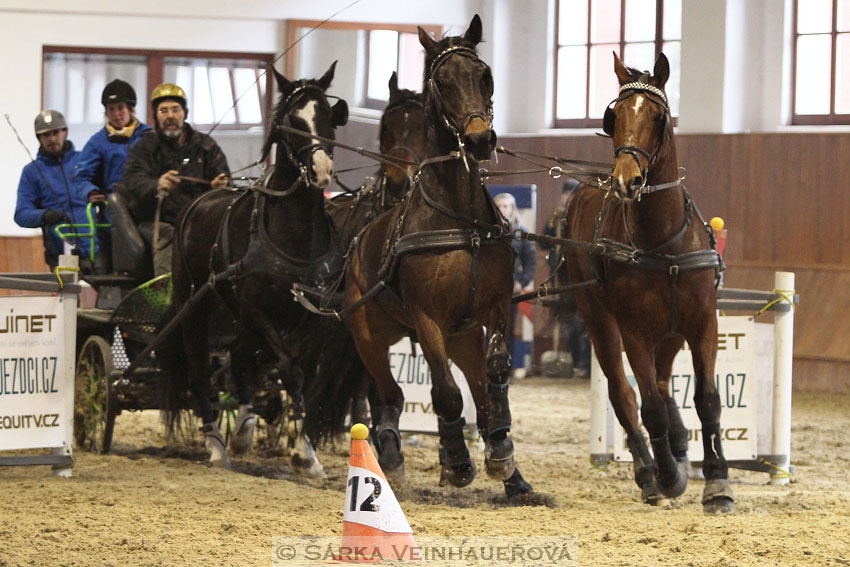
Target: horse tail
(173,381)
(328,397)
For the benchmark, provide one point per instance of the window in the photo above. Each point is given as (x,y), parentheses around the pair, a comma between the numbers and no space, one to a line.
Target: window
(367,54)
(821,62)
(588,31)
(227,89)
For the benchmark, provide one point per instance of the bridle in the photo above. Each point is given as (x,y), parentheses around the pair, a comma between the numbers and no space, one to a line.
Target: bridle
(413,101)
(656,96)
(304,155)
(455,127)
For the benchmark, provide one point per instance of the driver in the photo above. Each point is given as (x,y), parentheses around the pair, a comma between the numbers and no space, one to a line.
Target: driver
(174,163)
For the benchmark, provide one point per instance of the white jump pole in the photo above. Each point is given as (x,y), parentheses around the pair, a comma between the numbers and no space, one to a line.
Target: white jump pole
(783,354)
(598,417)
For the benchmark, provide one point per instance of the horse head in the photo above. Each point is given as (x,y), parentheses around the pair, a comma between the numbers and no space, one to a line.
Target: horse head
(402,130)
(304,106)
(460,87)
(638,121)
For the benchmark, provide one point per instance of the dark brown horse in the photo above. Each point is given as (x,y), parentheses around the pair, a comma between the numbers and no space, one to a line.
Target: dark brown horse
(653,255)
(438,267)
(264,239)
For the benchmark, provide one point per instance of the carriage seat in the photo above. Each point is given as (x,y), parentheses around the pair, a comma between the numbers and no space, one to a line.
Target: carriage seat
(129,251)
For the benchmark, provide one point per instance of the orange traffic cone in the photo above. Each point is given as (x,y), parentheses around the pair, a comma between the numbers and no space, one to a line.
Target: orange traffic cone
(374,527)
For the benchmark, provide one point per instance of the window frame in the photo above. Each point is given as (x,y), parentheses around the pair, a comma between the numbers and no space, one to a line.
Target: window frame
(362,89)
(156,69)
(833,118)
(587,122)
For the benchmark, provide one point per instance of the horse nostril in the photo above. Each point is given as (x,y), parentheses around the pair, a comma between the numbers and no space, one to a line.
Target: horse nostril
(635,184)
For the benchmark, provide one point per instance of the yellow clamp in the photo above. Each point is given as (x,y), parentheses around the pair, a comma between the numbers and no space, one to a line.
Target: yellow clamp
(58,269)
(778,472)
(784,295)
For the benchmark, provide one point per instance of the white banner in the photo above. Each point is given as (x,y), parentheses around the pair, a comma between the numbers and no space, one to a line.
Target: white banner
(736,377)
(414,376)
(32,373)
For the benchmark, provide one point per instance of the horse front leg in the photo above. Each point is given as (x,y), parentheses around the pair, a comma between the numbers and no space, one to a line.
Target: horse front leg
(387,400)
(608,345)
(458,468)
(671,476)
(467,351)
(717,497)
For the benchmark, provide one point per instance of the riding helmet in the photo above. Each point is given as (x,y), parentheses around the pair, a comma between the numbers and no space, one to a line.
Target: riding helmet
(118,91)
(168,91)
(49,120)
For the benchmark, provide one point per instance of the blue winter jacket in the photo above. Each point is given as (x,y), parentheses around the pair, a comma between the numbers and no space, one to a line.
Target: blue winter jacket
(102,161)
(46,183)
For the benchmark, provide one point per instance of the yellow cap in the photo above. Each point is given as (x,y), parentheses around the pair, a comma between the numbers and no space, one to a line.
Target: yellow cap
(717,223)
(359,431)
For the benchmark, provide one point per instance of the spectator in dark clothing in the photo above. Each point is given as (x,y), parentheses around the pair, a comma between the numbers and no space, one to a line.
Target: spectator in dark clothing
(45,191)
(564,307)
(525,262)
(159,167)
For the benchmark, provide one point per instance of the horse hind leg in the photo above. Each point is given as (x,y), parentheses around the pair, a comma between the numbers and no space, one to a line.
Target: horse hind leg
(243,368)
(499,455)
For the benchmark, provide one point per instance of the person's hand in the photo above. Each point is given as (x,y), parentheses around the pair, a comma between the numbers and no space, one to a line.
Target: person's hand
(517,287)
(168,181)
(220,181)
(53,216)
(96,196)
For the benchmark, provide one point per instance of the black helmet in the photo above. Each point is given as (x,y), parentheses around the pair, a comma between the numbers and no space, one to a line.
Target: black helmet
(118,91)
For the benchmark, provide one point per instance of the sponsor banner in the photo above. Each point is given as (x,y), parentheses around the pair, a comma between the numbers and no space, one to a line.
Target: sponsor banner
(32,368)
(412,373)
(737,378)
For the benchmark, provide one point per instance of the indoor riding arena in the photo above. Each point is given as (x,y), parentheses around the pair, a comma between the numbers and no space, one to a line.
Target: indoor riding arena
(496,282)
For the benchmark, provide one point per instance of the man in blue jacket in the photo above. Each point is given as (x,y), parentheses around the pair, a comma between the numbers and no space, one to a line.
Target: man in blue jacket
(45,192)
(104,155)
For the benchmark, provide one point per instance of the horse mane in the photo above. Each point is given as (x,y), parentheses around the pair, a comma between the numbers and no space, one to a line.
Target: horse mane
(279,113)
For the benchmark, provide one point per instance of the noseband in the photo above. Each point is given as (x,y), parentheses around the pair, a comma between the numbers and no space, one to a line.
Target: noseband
(457,129)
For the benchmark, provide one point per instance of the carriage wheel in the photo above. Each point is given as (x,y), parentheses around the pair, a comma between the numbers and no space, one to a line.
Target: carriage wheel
(94,402)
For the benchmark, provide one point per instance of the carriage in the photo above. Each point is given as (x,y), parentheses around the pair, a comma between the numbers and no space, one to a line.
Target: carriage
(119,329)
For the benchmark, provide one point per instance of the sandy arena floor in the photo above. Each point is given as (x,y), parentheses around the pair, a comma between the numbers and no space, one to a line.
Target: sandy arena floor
(155,503)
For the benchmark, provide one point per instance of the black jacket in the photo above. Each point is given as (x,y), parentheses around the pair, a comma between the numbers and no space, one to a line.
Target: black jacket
(153,155)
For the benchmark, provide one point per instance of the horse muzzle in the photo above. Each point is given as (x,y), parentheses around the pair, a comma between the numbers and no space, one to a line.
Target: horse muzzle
(479,138)
(321,170)
(628,190)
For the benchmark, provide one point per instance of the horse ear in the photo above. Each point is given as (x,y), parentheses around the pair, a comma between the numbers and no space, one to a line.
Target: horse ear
(425,40)
(623,74)
(473,34)
(283,84)
(393,84)
(661,71)
(326,79)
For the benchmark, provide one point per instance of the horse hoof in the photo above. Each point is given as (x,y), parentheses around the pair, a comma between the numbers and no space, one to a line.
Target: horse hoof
(214,443)
(679,485)
(458,475)
(395,476)
(650,495)
(310,468)
(499,459)
(719,506)
(717,497)
(243,433)
(516,485)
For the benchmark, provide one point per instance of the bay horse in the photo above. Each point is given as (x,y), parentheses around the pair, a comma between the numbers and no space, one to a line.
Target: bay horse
(654,257)
(401,134)
(265,239)
(439,268)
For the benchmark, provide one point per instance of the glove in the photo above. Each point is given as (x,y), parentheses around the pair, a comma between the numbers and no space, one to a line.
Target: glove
(52,216)
(96,196)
